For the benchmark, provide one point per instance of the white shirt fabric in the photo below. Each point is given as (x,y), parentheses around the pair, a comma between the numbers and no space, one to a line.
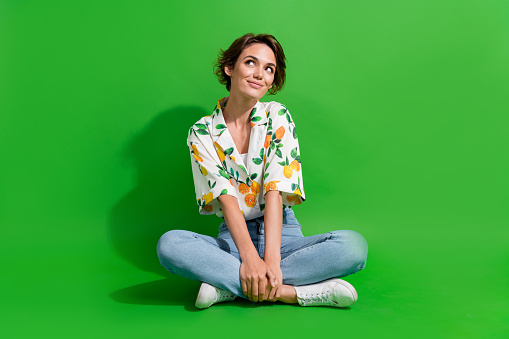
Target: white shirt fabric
(272,162)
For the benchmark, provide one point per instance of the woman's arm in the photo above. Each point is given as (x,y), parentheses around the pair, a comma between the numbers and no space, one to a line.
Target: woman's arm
(273,229)
(254,272)
(273,225)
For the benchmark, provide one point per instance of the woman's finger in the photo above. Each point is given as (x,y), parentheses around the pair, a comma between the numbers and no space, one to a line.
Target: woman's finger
(278,292)
(272,277)
(249,294)
(244,286)
(254,289)
(272,294)
(262,289)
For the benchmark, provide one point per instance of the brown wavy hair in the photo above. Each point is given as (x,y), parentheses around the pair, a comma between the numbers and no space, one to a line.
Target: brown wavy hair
(229,58)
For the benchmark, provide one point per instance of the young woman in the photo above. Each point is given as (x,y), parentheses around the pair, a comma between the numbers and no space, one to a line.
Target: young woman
(246,165)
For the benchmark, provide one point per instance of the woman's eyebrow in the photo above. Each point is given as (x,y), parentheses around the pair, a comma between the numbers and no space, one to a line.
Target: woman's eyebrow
(253,57)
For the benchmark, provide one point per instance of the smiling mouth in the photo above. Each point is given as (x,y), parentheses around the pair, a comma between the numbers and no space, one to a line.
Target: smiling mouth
(255,85)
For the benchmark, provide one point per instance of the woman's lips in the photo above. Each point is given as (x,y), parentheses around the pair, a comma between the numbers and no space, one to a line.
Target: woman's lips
(255,85)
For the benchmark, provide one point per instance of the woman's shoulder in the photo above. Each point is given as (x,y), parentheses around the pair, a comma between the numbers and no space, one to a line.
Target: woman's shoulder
(199,128)
(273,106)
(277,111)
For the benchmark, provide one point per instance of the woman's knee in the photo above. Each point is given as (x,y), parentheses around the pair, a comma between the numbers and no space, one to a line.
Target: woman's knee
(171,247)
(355,245)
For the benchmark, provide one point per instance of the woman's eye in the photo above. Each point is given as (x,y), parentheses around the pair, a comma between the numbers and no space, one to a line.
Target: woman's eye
(270,69)
(249,62)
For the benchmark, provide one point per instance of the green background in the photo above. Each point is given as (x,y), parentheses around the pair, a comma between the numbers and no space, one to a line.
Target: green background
(402,114)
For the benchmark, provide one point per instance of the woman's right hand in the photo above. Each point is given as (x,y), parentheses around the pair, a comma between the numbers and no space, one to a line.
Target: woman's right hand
(254,276)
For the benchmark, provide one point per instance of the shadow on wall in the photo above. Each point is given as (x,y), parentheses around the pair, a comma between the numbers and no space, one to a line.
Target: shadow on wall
(163,198)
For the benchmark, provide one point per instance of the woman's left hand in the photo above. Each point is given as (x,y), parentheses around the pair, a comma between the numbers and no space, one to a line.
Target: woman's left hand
(275,292)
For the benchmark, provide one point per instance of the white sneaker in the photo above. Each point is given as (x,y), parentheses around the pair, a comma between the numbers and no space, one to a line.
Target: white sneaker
(209,295)
(332,292)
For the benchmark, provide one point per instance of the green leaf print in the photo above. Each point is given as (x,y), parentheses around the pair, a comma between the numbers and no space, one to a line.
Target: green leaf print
(224,191)
(293,153)
(265,176)
(232,172)
(282,163)
(281,111)
(261,153)
(202,132)
(237,175)
(243,168)
(262,207)
(224,174)
(267,165)
(201,126)
(279,145)
(294,132)
(298,158)
(253,176)
(255,119)
(278,153)
(268,151)
(288,118)
(257,161)
(214,184)
(294,187)
(287,161)
(228,151)
(220,126)
(253,112)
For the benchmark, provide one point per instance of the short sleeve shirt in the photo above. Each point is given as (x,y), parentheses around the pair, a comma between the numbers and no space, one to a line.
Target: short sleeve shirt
(273,160)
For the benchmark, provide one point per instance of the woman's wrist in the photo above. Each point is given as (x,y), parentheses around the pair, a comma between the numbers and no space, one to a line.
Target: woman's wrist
(272,258)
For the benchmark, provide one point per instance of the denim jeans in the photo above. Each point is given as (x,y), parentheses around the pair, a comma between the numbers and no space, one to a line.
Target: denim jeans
(304,260)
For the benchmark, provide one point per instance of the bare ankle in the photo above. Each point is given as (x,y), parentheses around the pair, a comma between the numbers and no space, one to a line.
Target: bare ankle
(288,294)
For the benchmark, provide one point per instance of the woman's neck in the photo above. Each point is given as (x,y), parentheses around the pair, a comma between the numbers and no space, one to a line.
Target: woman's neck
(237,111)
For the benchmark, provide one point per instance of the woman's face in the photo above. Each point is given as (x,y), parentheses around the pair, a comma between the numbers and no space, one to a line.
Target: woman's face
(254,71)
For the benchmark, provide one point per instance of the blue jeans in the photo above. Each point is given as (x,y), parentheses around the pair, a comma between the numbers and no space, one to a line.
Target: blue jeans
(304,260)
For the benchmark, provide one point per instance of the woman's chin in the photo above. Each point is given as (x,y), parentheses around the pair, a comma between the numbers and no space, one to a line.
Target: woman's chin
(252,93)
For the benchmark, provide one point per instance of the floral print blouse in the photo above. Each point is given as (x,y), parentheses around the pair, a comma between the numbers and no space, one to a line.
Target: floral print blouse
(273,160)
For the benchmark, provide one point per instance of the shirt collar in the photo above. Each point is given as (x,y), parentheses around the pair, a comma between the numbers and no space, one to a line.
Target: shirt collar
(258,117)
(223,141)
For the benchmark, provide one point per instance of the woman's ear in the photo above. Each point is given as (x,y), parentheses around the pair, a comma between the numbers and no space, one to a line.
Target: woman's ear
(228,71)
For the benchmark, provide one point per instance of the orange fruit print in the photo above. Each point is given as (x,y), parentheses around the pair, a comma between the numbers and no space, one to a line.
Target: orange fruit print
(280,132)
(255,188)
(271,186)
(267,141)
(250,200)
(243,188)
(287,171)
(208,208)
(221,155)
(295,165)
(207,197)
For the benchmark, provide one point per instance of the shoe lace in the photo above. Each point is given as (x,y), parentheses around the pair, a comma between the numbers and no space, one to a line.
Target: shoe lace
(225,295)
(320,298)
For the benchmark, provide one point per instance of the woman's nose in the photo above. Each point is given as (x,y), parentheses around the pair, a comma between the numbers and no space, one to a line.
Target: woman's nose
(258,73)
